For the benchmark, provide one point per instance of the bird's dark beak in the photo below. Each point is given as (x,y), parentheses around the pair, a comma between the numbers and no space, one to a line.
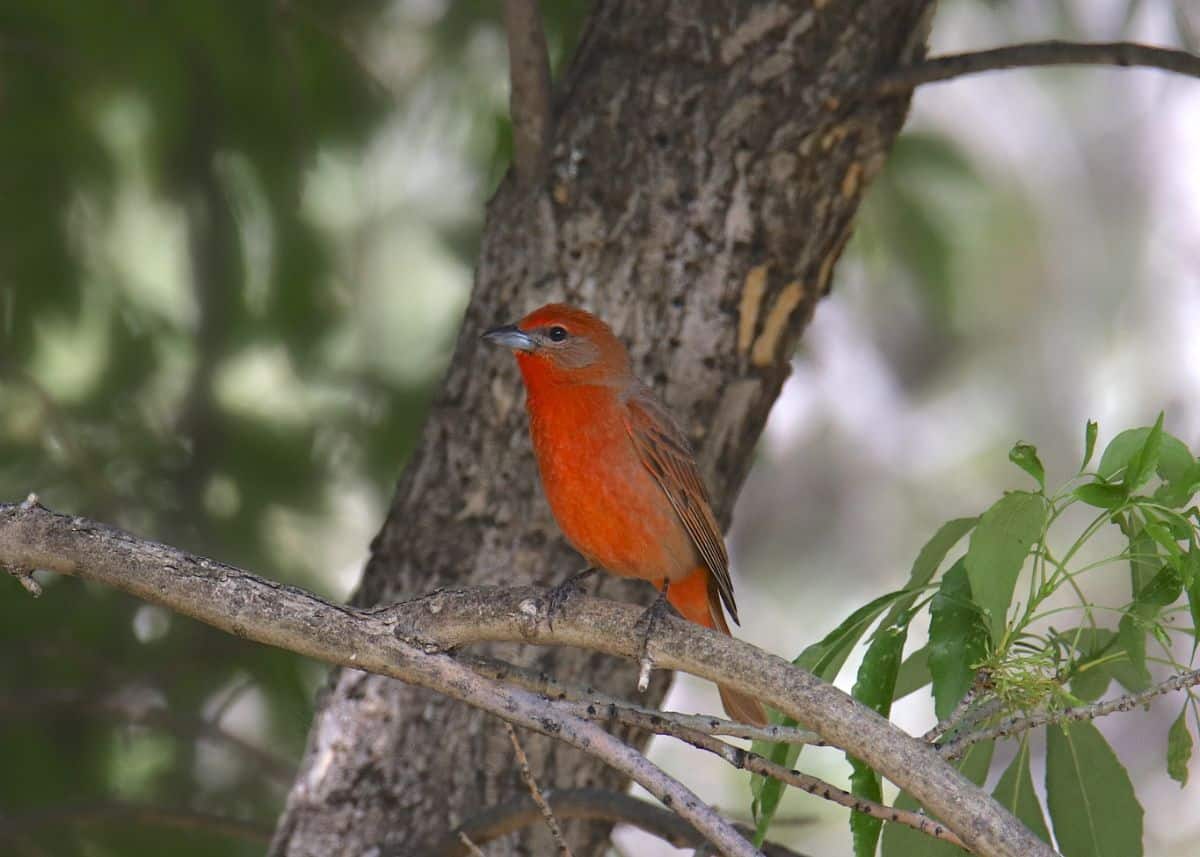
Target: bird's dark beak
(510,336)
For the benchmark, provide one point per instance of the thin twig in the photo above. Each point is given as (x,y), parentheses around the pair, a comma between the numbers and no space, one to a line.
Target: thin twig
(472,848)
(749,761)
(408,641)
(597,705)
(24,576)
(529,98)
(584,804)
(564,850)
(984,711)
(969,711)
(1017,724)
(1050,53)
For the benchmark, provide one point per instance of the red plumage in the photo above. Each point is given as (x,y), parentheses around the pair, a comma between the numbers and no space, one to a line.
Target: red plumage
(618,473)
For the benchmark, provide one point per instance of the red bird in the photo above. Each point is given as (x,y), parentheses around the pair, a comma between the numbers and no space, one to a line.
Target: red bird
(618,473)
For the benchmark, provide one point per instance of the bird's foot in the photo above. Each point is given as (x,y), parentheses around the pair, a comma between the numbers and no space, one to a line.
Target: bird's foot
(559,595)
(644,627)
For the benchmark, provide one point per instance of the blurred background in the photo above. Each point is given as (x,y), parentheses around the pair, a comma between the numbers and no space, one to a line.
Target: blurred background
(235,242)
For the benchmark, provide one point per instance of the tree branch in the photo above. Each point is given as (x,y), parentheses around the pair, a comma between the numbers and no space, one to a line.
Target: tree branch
(529,96)
(1015,725)
(1050,53)
(745,760)
(472,850)
(534,792)
(407,641)
(236,601)
(697,730)
(607,707)
(587,804)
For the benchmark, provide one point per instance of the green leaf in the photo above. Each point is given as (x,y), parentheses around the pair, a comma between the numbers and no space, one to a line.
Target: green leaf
(1025,456)
(1179,748)
(877,676)
(1174,461)
(1193,594)
(914,674)
(1190,567)
(1162,590)
(1178,493)
(902,841)
(957,640)
(1101,494)
(1163,535)
(824,659)
(929,558)
(1091,801)
(934,551)
(1144,561)
(874,688)
(1143,465)
(1015,792)
(1131,678)
(1132,635)
(1093,664)
(1089,443)
(1006,533)
(1090,684)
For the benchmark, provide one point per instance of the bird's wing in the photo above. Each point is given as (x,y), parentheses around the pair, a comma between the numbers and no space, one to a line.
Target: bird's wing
(665,452)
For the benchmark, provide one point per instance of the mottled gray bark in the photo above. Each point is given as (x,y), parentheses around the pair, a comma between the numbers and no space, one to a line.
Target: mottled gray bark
(707,160)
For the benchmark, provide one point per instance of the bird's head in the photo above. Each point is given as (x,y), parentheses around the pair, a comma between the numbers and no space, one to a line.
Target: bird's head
(563,344)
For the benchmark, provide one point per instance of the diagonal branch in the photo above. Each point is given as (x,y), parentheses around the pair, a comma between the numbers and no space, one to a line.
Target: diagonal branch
(762,766)
(536,793)
(699,731)
(472,850)
(597,705)
(529,76)
(1015,725)
(1050,53)
(407,641)
(233,600)
(589,804)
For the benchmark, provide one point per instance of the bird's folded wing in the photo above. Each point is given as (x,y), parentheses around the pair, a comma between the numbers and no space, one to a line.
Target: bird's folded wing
(665,452)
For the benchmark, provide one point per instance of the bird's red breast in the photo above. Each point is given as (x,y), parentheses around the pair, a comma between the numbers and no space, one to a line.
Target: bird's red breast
(604,499)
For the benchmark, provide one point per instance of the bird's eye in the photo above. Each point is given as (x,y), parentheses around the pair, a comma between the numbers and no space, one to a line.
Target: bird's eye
(558,333)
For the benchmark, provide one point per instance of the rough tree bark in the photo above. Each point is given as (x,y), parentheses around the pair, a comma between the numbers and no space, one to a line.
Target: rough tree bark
(705,166)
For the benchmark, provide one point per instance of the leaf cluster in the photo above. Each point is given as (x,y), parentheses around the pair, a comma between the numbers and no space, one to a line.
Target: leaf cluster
(998,645)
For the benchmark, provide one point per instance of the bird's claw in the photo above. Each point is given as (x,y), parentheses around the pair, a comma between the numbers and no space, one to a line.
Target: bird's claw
(644,627)
(559,595)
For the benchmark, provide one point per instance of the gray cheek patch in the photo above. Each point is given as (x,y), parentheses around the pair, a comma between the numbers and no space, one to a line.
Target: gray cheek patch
(574,353)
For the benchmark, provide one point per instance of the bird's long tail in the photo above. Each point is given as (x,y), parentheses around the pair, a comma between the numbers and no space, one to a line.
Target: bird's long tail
(697,599)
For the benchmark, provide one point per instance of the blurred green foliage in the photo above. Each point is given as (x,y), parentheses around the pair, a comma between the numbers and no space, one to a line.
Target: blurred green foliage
(182,353)
(996,650)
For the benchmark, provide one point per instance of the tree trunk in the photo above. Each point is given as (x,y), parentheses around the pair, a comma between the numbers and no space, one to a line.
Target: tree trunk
(706,164)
